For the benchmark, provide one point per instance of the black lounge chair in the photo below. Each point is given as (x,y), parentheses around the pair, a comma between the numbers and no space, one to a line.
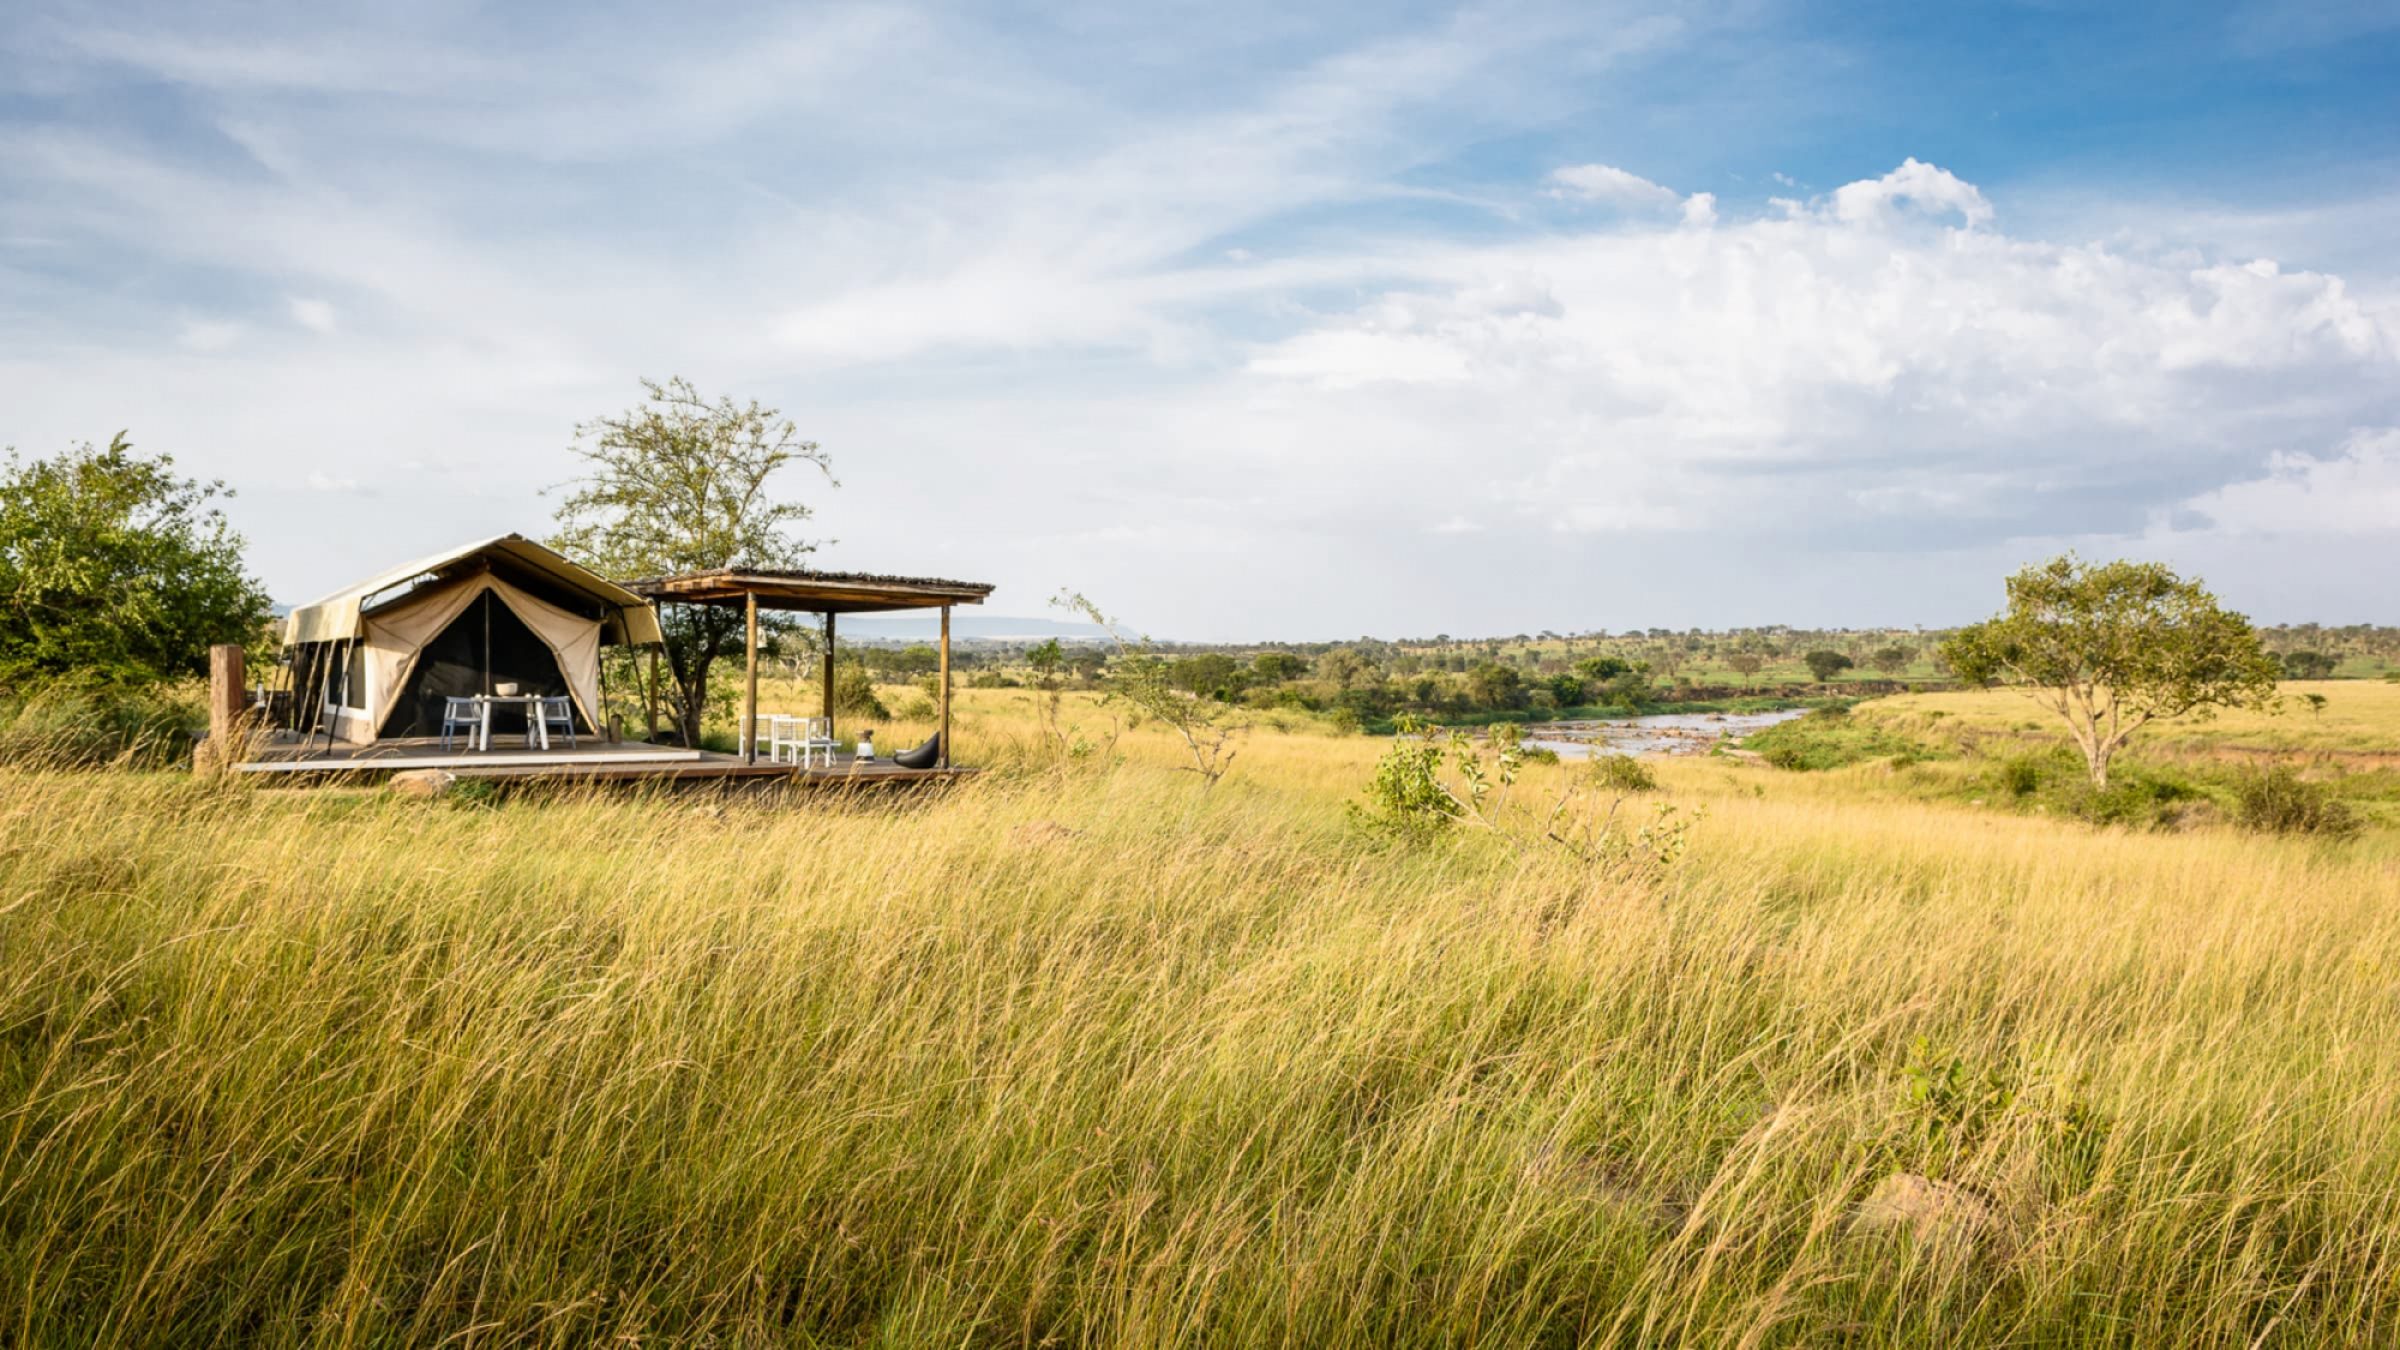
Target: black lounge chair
(923,757)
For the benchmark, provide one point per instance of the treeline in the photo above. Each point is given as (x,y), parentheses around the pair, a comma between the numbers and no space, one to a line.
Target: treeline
(1370,684)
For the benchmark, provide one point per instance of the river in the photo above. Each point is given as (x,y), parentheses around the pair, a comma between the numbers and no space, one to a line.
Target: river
(1658,734)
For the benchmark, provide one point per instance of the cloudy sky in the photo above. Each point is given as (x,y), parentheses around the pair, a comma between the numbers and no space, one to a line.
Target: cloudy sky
(1259,320)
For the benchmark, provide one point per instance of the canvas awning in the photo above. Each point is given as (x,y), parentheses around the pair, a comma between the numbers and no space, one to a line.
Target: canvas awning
(628,618)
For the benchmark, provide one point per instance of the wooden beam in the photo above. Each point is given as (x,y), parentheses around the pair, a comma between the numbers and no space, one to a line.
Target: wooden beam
(750,698)
(945,731)
(827,679)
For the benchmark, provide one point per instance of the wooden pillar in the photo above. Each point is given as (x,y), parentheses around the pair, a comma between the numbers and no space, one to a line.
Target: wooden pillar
(650,703)
(750,697)
(945,731)
(827,679)
(228,699)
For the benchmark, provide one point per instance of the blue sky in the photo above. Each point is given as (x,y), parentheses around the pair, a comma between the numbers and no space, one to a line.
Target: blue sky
(1259,320)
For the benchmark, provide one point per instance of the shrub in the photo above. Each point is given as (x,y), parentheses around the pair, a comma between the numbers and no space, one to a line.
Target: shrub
(1623,773)
(2138,799)
(2276,800)
(1406,797)
(854,693)
(2021,775)
(89,726)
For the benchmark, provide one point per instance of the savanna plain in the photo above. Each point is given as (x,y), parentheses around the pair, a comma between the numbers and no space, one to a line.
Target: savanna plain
(1086,1051)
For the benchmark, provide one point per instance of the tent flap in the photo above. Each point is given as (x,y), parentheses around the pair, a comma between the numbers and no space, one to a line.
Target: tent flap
(396,637)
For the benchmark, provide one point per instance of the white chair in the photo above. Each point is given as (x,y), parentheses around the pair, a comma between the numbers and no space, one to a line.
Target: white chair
(462,714)
(803,738)
(764,732)
(557,714)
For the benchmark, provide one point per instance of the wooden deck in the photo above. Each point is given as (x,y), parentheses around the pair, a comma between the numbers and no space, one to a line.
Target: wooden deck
(590,762)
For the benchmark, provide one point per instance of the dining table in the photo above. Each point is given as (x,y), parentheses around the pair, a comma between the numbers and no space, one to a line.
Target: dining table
(537,733)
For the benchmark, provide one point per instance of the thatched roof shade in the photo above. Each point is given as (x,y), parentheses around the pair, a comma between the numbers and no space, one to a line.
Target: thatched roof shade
(814,592)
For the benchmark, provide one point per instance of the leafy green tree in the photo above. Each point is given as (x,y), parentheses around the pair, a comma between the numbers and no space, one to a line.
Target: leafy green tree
(1210,673)
(2111,647)
(1601,669)
(1493,685)
(2308,665)
(114,570)
(1346,666)
(1278,667)
(1826,664)
(679,484)
(914,659)
(1746,661)
(1629,688)
(1567,690)
(1046,660)
(1893,660)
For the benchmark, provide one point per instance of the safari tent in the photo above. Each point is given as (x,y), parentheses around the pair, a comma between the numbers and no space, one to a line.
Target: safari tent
(376,660)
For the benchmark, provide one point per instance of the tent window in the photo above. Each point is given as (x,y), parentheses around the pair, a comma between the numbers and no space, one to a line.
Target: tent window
(354,693)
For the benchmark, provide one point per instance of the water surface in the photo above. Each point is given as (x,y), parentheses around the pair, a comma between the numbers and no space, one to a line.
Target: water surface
(1657,734)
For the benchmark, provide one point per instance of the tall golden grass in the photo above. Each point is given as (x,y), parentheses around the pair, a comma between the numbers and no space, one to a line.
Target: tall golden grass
(1093,1056)
(2358,716)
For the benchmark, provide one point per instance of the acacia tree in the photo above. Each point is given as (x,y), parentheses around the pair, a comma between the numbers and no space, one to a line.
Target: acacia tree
(113,569)
(680,484)
(2111,647)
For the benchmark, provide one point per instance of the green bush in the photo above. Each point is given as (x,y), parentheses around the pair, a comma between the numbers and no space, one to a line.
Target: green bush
(1623,773)
(2277,800)
(854,693)
(2136,797)
(2021,775)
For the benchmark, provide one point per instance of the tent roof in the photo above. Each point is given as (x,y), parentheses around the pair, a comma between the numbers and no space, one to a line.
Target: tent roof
(337,616)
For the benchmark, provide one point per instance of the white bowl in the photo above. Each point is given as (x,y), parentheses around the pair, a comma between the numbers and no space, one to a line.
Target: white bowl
(505,690)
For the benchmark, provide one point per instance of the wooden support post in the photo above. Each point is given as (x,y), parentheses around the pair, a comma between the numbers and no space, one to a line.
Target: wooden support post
(828,676)
(750,698)
(945,731)
(228,700)
(651,701)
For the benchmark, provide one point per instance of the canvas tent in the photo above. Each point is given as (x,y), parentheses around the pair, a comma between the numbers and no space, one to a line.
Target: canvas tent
(376,660)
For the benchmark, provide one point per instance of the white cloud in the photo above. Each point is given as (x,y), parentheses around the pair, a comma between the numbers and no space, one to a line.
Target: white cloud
(317,316)
(1824,373)
(1914,185)
(2355,490)
(1610,186)
(1700,209)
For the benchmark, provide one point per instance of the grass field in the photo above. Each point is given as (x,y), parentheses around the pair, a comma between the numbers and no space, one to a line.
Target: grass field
(1087,1055)
(2358,717)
